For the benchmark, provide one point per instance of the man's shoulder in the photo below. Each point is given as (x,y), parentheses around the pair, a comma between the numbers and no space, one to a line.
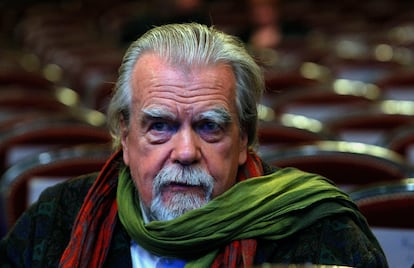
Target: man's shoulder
(335,239)
(59,204)
(47,224)
(76,187)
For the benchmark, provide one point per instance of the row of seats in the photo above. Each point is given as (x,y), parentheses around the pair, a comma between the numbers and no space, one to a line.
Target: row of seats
(348,164)
(392,131)
(374,177)
(353,166)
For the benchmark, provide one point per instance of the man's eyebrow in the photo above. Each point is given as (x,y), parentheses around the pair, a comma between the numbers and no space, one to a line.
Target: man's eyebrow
(156,112)
(219,115)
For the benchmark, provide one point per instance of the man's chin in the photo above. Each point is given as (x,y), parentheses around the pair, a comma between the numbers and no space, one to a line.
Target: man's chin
(175,198)
(172,206)
(172,192)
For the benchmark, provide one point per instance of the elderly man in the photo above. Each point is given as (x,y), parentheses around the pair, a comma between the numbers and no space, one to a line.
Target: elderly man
(184,186)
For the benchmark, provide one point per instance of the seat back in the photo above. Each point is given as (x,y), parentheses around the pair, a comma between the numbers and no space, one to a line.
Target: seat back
(42,134)
(21,184)
(348,164)
(401,140)
(387,207)
(321,103)
(387,204)
(290,129)
(372,125)
(398,85)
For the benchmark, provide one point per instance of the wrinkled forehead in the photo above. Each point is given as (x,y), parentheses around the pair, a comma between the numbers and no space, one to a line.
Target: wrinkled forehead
(185,59)
(153,76)
(187,68)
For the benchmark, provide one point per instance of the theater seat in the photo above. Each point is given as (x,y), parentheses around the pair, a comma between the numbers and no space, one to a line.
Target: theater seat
(373,124)
(21,184)
(42,134)
(322,103)
(401,140)
(289,130)
(388,207)
(348,164)
(387,203)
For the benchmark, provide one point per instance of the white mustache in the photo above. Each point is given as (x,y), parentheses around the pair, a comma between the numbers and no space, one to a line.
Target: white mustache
(192,176)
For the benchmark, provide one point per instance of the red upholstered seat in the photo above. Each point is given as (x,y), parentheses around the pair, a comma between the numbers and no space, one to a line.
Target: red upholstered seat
(387,204)
(401,140)
(47,168)
(290,130)
(42,134)
(348,164)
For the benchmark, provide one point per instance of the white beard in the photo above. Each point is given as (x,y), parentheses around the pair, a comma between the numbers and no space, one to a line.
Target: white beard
(181,202)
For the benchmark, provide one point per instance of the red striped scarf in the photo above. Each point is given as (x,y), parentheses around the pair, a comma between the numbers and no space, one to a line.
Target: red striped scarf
(94,226)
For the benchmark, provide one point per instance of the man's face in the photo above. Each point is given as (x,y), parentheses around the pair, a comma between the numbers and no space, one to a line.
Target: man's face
(183,145)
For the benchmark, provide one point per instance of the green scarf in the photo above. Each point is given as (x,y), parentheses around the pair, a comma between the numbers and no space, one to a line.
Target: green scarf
(269,207)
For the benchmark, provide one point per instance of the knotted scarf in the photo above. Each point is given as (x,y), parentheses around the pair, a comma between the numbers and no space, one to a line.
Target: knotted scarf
(222,233)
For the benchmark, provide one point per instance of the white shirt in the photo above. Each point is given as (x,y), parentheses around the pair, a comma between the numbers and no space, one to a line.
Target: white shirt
(141,258)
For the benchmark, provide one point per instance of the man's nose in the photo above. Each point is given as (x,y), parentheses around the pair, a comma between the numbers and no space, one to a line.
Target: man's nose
(186,147)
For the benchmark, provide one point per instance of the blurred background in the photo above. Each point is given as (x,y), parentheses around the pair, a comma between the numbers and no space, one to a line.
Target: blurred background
(362,48)
(339,96)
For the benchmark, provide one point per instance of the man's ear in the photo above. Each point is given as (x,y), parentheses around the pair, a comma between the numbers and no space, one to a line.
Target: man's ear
(124,139)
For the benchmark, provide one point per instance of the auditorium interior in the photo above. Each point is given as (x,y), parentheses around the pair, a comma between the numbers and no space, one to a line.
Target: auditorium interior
(339,98)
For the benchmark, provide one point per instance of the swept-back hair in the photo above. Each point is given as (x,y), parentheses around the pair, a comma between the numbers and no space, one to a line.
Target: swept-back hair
(189,45)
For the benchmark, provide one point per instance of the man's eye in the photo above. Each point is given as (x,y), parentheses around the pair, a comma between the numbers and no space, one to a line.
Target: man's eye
(160,131)
(209,127)
(210,131)
(161,127)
